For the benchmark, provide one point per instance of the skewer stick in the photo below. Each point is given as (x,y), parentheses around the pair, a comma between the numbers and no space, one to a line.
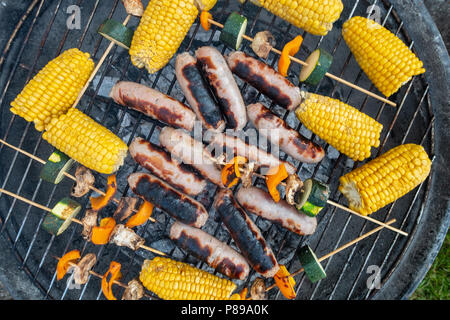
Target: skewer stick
(345,246)
(332,76)
(65,173)
(40,206)
(97,67)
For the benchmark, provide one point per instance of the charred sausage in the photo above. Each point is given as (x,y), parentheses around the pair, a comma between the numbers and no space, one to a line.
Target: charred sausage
(246,234)
(181,145)
(251,152)
(197,92)
(259,202)
(279,133)
(178,205)
(216,71)
(153,104)
(210,250)
(160,163)
(265,79)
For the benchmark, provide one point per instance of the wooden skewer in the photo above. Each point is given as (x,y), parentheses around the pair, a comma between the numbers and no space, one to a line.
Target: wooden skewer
(40,206)
(351,85)
(32,156)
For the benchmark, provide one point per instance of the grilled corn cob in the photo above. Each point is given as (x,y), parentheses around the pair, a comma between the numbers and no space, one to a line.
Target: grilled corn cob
(163,27)
(386,178)
(86,141)
(173,280)
(345,128)
(54,89)
(315,17)
(386,60)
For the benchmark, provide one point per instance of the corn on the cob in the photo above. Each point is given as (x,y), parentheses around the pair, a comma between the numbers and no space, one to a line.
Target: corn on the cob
(205,5)
(386,178)
(386,60)
(173,280)
(86,141)
(315,17)
(162,28)
(345,128)
(54,89)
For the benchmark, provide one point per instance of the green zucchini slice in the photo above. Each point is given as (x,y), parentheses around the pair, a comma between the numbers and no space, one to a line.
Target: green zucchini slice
(313,198)
(59,219)
(57,164)
(318,64)
(233,30)
(313,269)
(116,32)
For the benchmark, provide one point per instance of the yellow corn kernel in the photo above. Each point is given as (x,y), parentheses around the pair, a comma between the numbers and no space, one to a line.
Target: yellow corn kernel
(163,27)
(386,60)
(345,128)
(54,89)
(86,141)
(386,178)
(315,17)
(188,283)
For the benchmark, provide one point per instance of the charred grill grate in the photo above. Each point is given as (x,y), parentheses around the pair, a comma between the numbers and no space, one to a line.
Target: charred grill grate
(46,36)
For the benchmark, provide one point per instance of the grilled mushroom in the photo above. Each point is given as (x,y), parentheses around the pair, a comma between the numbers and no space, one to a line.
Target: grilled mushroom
(123,236)
(134,291)
(263,42)
(246,176)
(134,7)
(293,185)
(81,270)
(258,290)
(84,180)
(89,221)
(125,208)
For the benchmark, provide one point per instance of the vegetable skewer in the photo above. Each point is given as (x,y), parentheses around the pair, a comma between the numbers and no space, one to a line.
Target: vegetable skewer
(37,205)
(347,83)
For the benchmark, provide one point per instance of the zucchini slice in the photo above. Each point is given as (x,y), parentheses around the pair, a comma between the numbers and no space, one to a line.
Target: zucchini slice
(313,198)
(59,219)
(57,164)
(116,32)
(313,269)
(318,64)
(233,30)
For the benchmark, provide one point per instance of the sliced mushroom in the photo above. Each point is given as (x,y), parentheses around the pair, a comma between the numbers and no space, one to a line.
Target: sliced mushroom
(84,180)
(263,42)
(246,176)
(125,237)
(293,184)
(89,221)
(134,291)
(134,7)
(82,268)
(258,290)
(125,208)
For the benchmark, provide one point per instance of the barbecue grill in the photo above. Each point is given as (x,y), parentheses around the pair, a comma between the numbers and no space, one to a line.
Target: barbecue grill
(39,33)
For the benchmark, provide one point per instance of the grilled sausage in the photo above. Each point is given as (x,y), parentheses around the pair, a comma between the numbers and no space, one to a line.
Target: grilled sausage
(210,250)
(178,205)
(160,163)
(279,133)
(259,202)
(190,151)
(251,152)
(265,79)
(246,234)
(197,92)
(153,104)
(224,86)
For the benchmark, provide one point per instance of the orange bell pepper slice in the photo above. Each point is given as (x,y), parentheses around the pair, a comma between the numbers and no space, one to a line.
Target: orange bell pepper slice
(274,178)
(100,235)
(290,49)
(108,279)
(144,212)
(285,282)
(64,263)
(243,294)
(204,20)
(231,171)
(100,202)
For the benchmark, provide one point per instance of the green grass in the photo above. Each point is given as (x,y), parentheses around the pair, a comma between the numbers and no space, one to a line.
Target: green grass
(435,285)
